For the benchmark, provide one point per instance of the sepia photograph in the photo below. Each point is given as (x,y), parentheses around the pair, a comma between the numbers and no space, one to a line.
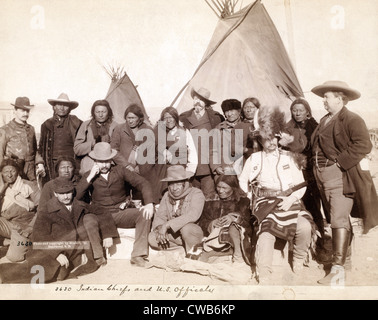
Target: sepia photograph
(180,150)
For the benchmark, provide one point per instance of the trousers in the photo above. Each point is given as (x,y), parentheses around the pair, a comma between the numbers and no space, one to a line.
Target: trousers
(129,218)
(330,184)
(18,243)
(266,241)
(188,236)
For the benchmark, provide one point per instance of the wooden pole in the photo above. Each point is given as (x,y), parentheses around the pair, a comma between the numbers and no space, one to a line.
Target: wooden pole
(290,33)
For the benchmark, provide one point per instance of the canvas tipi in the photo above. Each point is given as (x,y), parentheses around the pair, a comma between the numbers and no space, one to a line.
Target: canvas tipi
(245,58)
(122,93)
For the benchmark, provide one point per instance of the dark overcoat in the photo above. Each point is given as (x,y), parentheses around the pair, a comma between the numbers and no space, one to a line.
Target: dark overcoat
(352,140)
(54,225)
(215,118)
(46,140)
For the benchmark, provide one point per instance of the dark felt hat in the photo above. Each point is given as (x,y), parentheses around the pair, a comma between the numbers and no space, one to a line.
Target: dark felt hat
(23,103)
(62,185)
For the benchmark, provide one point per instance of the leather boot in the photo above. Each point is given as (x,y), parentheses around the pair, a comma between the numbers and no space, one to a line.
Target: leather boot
(340,244)
(348,260)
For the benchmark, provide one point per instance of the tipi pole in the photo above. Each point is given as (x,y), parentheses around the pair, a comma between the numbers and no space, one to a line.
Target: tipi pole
(212,9)
(235,26)
(290,33)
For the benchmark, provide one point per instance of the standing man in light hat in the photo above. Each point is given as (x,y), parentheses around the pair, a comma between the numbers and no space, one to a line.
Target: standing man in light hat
(58,134)
(18,141)
(202,117)
(340,145)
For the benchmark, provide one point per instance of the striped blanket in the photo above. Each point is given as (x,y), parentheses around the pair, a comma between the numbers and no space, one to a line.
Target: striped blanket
(283,224)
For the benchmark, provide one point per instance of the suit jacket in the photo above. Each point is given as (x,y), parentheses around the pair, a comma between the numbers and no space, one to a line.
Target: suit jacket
(112,192)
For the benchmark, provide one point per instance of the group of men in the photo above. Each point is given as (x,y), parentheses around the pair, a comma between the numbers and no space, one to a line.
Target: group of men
(340,143)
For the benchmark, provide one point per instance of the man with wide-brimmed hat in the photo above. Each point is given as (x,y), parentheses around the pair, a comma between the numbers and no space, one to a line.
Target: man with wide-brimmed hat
(18,141)
(340,145)
(175,222)
(202,117)
(109,187)
(58,134)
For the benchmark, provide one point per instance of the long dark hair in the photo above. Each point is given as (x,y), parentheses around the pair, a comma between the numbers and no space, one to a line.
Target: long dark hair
(233,182)
(304,103)
(137,110)
(65,158)
(104,103)
(173,112)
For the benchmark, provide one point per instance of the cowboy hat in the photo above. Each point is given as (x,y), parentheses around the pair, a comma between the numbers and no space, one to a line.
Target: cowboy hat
(64,100)
(102,151)
(23,103)
(177,173)
(203,94)
(336,86)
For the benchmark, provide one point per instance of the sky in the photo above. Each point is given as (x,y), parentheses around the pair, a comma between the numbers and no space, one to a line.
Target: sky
(54,46)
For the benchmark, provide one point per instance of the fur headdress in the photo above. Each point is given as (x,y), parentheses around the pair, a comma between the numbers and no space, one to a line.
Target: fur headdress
(272,123)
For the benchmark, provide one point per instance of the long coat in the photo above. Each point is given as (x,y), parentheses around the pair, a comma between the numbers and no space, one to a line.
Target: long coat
(55,224)
(352,140)
(215,118)
(45,146)
(125,142)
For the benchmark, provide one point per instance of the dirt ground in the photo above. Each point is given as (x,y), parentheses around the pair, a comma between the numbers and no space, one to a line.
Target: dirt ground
(174,277)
